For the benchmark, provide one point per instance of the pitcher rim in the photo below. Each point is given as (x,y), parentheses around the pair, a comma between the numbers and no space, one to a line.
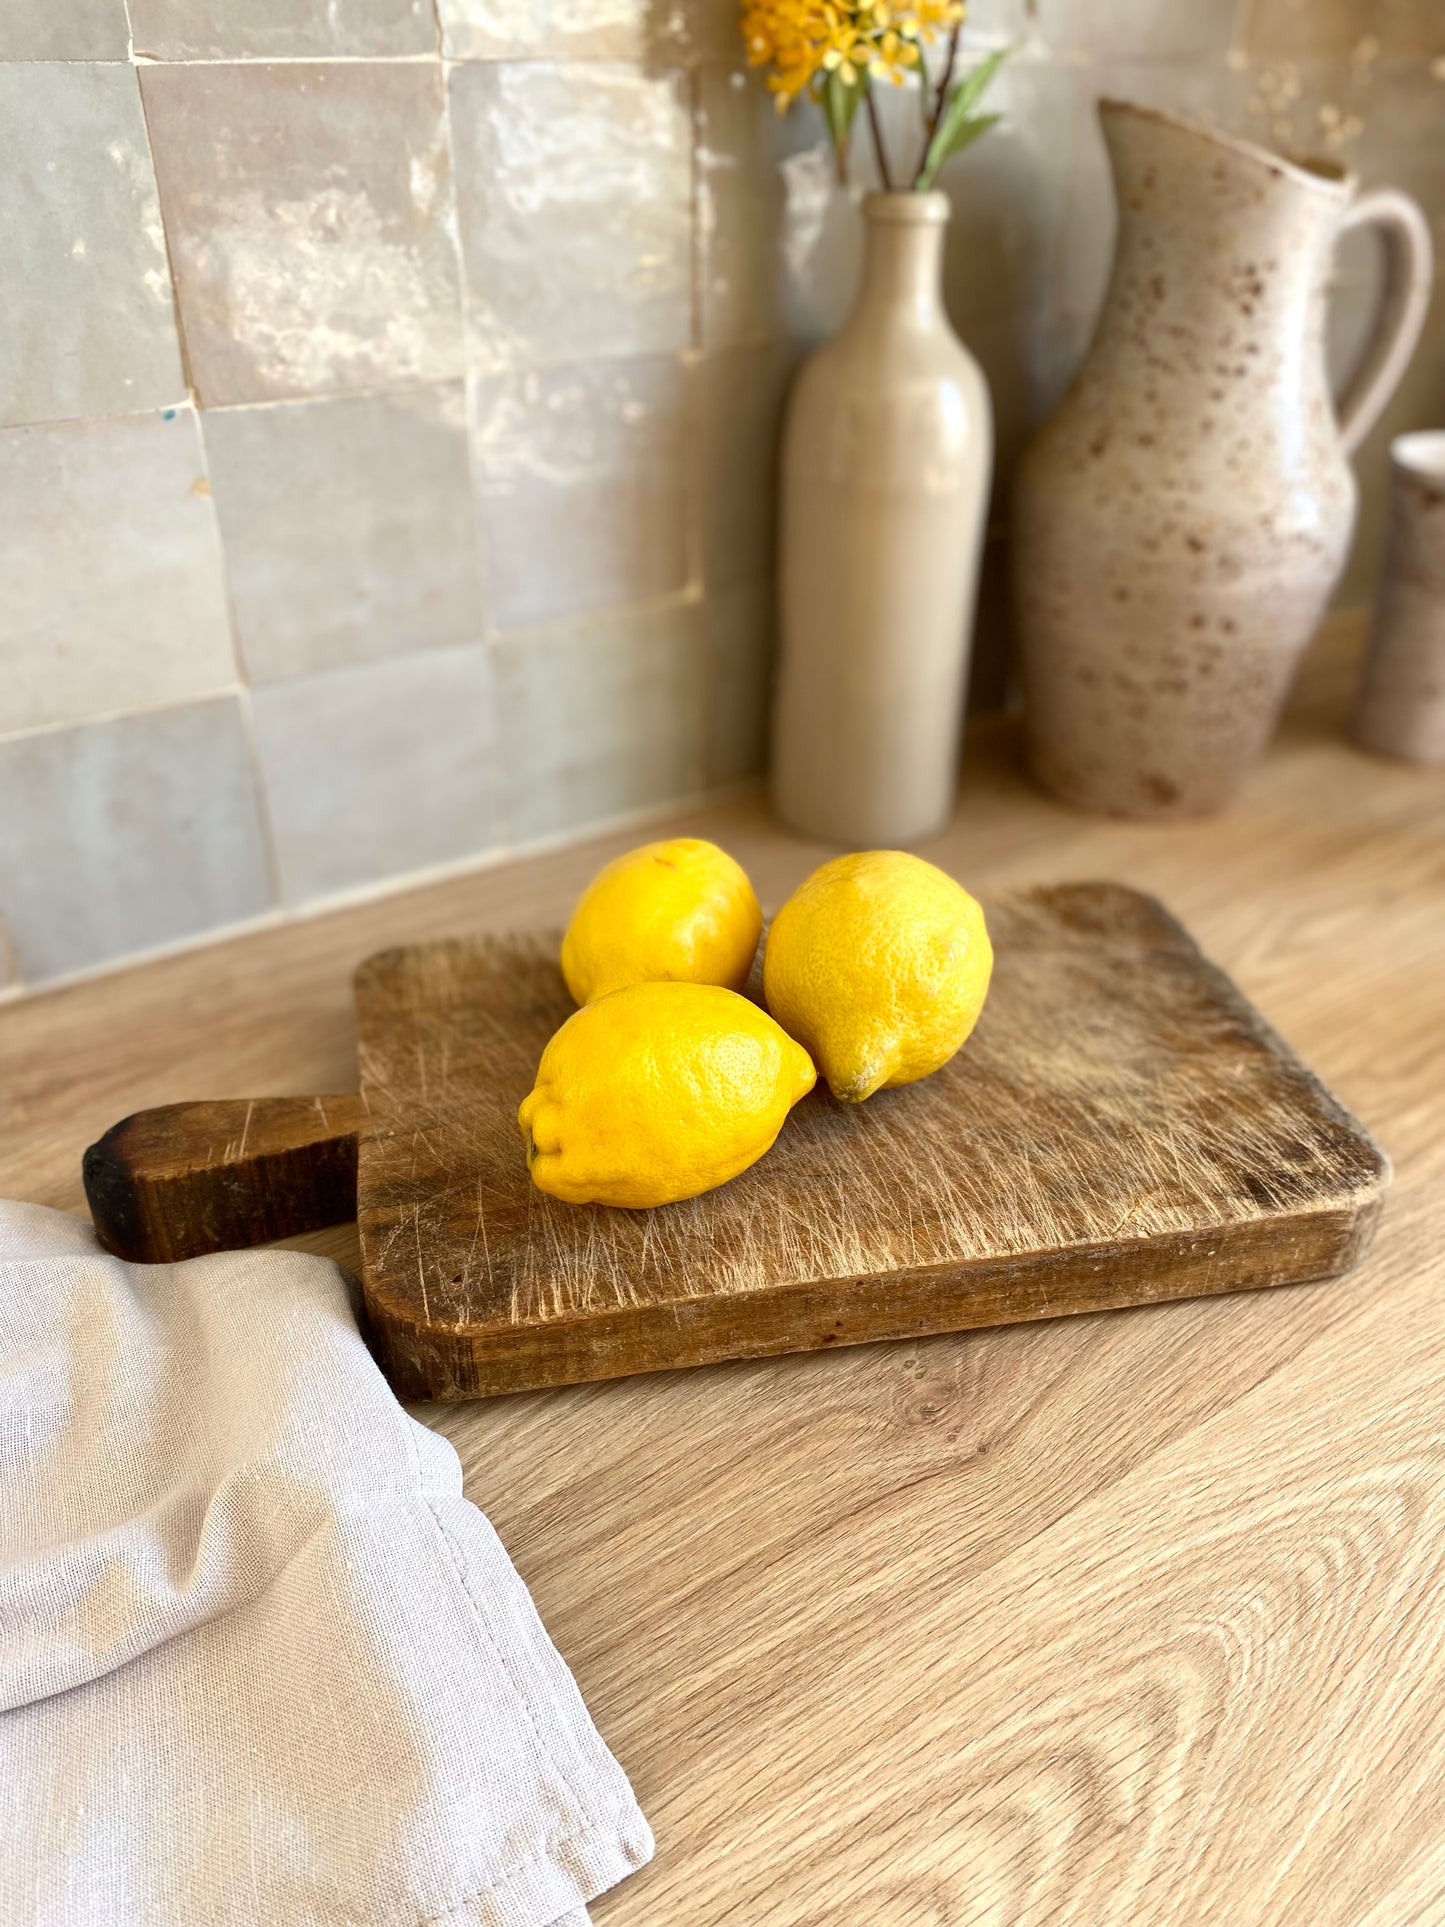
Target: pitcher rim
(1339,186)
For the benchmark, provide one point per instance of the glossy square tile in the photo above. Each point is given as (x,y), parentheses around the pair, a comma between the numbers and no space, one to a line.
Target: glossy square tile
(1164,29)
(600,718)
(128,834)
(574,198)
(1361,30)
(1396,113)
(1010,192)
(281,29)
(349,527)
(78,30)
(110,570)
(635,30)
(743,391)
(87,326)
(740,627)
(585,485)
(779,243)
(378,770)
(309,212)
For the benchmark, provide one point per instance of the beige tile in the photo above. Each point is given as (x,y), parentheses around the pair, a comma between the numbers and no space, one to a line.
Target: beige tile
(110,570)
(87,325)
(1361,30)
(126,835)
(1410,28)
(573,188)
(77,30)
(743,391)
(1140,29)
(1399,108)
(600,718)
(349,527)
(311,256)
(585,481)
(375,771)
(281,29)
(739,626)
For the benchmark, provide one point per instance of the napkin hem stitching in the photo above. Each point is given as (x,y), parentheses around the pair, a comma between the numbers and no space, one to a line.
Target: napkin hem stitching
(609,1830)
(459,1565)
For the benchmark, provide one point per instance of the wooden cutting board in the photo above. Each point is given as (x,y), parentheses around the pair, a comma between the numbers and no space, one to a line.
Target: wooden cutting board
(1121,1128)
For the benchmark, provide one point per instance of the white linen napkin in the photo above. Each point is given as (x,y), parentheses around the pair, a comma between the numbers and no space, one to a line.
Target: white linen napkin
(260,1661)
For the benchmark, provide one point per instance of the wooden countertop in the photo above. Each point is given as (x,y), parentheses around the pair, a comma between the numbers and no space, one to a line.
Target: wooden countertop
(1120,1619)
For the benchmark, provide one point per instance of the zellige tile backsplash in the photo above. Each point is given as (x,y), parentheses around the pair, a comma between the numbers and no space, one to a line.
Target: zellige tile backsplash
(390,395)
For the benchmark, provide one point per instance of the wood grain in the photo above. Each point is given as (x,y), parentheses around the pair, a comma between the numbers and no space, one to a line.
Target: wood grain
(184,1179)
(1122,1128)
(1099,1622)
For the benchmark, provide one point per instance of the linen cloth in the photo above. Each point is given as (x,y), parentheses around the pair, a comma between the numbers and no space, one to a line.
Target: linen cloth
(260,1661)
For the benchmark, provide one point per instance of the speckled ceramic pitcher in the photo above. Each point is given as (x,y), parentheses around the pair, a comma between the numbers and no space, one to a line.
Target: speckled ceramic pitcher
(1180,522)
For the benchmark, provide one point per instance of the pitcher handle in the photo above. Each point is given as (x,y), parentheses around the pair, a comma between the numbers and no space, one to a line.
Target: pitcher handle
(1409,264)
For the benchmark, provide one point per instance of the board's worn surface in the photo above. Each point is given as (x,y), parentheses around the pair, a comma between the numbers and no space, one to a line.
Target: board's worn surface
(1121,1128)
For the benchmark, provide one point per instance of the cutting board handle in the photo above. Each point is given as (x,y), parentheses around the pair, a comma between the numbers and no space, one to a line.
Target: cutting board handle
(185,1179)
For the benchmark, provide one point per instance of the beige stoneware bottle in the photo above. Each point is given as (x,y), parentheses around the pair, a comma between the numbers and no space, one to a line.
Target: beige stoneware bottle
(1180,522)
(887,457)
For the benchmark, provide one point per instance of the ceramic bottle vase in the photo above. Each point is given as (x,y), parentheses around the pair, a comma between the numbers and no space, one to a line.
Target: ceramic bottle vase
(1180,522)
(887,455)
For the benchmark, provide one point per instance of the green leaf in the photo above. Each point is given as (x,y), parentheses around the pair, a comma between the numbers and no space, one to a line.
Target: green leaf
(840,104)
(963,135)
(956,129)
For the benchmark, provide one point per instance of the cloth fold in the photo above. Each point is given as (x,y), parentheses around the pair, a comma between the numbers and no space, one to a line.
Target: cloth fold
(260,1661)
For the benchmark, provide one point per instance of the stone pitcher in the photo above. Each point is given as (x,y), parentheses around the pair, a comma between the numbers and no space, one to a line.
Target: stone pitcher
(1180,522)
(887,456)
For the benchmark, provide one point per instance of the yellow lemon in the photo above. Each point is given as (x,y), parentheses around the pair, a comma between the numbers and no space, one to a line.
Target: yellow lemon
(657,1092)
(878,965)
(675,912)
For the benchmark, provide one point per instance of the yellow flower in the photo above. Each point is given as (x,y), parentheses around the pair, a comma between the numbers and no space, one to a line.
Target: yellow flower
(804,41)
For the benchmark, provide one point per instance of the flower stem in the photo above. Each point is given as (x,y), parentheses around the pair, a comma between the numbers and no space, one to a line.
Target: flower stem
(942,101)
(873,121)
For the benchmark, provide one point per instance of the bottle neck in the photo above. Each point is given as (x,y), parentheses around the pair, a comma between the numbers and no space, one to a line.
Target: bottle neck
(903,259)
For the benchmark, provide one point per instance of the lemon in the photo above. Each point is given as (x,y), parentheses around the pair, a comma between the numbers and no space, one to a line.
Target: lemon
(681,911)
(658,1092)
(878,965)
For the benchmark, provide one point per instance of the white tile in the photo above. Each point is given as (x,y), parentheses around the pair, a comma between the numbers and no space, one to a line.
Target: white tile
(600,718)
(87,324)
(546,29)
(110,570)
(309,211)
(779,242)
(349,527)
(743,391)
(75,30)
(375,771)
(585,480)
(281,29)
(740,625)
(126,835)
(574,200)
